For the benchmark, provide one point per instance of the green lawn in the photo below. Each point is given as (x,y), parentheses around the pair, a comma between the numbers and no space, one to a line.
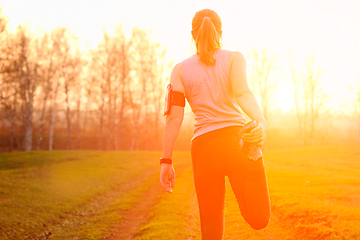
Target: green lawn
(70,194)
(315,194)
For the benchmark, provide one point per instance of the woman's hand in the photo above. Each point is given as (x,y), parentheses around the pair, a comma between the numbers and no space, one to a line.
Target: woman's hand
(257,135)
(167,176)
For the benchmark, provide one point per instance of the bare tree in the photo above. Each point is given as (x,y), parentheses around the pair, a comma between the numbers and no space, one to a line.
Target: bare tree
(121,96)
(89,84)
(309,98)
(159,77)
(80,65)
(27,65)
(53,112)
(124,68)
(61,47)
(261,70)
(71,73)
(8,87)
(314,95)
(138,96)
(9,104)
(102,65)
(301,111)
(48,72)
(110,66)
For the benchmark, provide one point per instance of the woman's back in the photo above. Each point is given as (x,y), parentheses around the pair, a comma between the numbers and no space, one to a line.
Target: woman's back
(209,93)
(215,84)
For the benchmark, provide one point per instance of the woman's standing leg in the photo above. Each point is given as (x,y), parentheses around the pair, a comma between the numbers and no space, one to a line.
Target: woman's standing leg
(209,179)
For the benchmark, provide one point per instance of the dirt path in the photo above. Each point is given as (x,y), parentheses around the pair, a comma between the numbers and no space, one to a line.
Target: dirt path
(238,228)
(136,217)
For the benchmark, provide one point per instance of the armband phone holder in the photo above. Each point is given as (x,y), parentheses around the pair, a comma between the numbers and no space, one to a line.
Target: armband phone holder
(173,98)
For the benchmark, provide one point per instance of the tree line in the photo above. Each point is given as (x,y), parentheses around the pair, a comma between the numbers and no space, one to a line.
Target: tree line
(56,96)
(312,117)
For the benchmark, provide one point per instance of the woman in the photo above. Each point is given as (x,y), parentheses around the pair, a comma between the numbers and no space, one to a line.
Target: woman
(215,85)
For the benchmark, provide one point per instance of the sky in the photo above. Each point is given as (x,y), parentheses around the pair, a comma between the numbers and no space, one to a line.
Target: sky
(326,28)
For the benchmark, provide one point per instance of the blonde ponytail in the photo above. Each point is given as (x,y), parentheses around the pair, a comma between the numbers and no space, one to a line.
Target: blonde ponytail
(207,34)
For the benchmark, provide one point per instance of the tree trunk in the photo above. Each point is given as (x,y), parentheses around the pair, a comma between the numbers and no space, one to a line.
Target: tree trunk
(134,138)
(28,131)
(41,125)
(123,89)
(78,124)
(115,126)
(66,86)
(51,135)
(43,115)
(101,123)
(11,147)
(85,118)
(29,107)
(121,115)
(110,119)
(12,114)
(30,89)
(9,121)
(136,110)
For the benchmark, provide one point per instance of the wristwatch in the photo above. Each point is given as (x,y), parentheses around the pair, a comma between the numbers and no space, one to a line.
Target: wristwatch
(165,160)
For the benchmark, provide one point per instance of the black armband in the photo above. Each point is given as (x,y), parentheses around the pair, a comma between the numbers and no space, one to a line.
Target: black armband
(173,98)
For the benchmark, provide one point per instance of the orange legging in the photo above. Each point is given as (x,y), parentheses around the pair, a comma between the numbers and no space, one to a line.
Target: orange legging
(215,155)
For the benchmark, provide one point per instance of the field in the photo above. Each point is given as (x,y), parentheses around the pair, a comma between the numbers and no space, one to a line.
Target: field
(315,194)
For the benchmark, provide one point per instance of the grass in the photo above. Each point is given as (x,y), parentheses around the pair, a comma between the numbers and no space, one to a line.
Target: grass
(315,194)
(316,191)
(176,215)
(70,195)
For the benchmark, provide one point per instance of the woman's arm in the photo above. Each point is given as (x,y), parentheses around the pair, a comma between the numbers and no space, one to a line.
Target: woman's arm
(171,130)
(245,98)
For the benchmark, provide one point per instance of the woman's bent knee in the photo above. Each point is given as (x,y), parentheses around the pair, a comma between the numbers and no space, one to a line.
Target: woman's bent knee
(259,223)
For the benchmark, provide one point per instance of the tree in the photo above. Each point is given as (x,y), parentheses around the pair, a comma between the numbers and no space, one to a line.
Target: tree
(61,47)
(48,74)
(8,101)
(124,69)
(261,70)
(26,65)
(314,95)
(47,84)
(301,111)
(105,75)
(309,98)
(157,86)
(8,88)
(71,71)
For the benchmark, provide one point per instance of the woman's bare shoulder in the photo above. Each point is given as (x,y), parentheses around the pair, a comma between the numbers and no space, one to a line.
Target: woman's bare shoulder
(236,55)
(178,68)
(176,77)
